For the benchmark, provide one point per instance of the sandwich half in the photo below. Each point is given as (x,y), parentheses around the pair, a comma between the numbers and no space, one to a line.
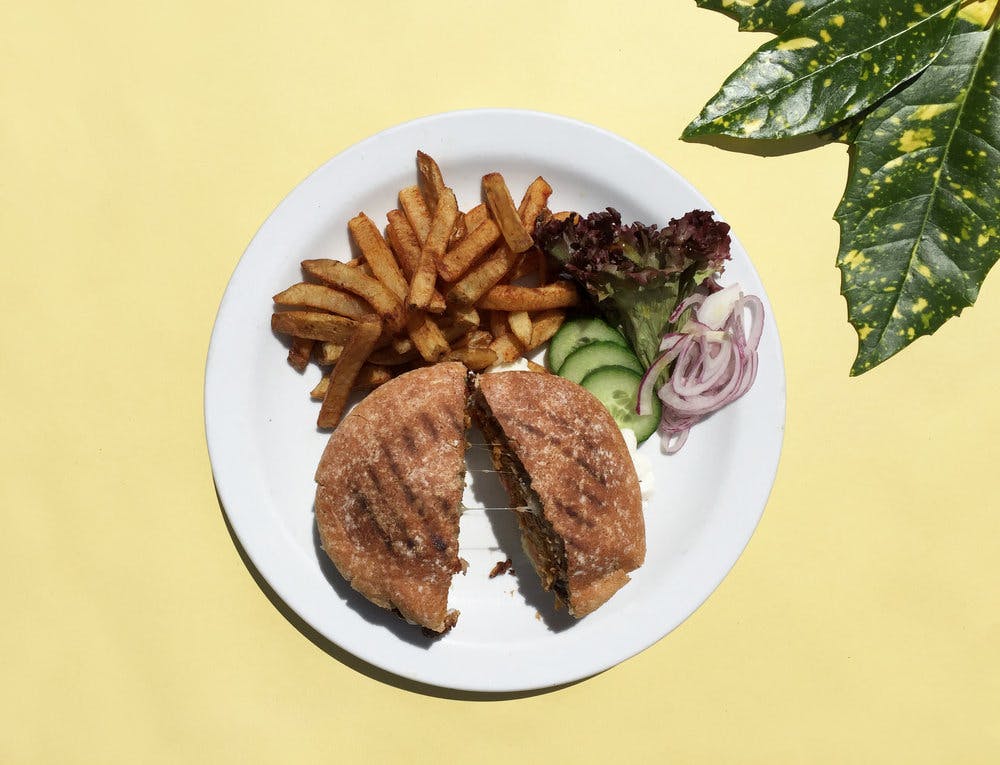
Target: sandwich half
(389,493)
(571,480)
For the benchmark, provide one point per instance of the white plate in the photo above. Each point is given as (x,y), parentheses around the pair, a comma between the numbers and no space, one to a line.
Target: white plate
(264,445)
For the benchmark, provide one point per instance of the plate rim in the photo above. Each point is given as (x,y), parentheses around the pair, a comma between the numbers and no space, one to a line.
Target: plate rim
(262,564)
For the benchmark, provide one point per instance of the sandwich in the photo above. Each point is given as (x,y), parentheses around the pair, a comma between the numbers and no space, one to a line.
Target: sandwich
(389,493)
(571,481)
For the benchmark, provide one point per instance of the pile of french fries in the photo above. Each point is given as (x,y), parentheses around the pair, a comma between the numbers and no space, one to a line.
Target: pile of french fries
(441,285)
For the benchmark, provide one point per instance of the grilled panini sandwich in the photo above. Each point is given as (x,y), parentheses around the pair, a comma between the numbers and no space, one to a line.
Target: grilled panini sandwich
(390,490)
(571,480)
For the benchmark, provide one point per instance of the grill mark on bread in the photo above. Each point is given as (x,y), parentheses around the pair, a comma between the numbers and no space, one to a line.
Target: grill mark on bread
(397,474)
(429,425)
(389,493)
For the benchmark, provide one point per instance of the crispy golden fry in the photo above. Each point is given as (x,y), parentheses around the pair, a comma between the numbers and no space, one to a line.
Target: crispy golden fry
(338,274)
(328,353)
(452,264)
(463,318)
(345,371)
(537,367)
(477,216)
(422,283)
(498,198)
(476,359)
(369,376)
(390,357)
(482,278)
(404,243)
(544,325)
(377,254)
(506,348)
(534,201)
(478,338)
(498,323)
(508,297)
(520,325)
(300,352)
(563,215)
(323,298)
(459,232)
(427,337)
(431,182)
(411,201)
(313,325)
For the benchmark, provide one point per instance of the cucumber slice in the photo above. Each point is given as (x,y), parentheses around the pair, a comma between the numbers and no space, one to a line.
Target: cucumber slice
(618,389)
(604,353)
(576,333)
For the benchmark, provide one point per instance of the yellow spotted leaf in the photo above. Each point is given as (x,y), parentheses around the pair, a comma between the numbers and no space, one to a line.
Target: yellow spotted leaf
(920,219)
(835,59)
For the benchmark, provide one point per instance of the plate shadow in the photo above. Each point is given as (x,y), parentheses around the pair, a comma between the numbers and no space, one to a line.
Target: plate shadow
(360,665)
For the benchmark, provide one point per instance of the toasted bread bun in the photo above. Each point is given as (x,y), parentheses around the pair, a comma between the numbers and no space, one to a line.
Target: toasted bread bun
(567,469)
(390,489)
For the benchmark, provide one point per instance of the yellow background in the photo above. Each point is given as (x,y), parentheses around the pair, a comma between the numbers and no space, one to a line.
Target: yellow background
(142,144)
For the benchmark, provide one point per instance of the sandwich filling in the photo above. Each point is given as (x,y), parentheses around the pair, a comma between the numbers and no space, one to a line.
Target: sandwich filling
(543,546)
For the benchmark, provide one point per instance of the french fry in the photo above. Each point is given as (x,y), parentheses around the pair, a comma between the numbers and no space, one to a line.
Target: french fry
(328,353)
(369,376)
(533,202)
(313,325)
(476,359)
(340,275)
(464,318)
(508,297)
(402,350)
(475,217)
(452,264)
(478,338)
(458,233)
(323,298)
(427,337)
(378,256)
(535,367)
(563,215)
(390,357)
(422,283)
(431,182)
(345,371)
(501,205)
(411,201)
(544,325)
(482,278)
(506,348)
(520,325)
(300,352)
(404,243)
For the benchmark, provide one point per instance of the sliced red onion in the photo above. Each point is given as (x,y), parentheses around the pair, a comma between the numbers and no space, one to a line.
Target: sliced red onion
(714,357)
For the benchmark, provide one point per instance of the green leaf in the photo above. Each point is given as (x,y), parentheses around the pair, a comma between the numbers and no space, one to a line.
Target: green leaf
(765,15)
(920,220)
(827,67)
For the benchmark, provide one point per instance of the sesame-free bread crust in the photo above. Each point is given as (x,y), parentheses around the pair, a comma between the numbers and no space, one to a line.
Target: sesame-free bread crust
(390,491)
(578,466)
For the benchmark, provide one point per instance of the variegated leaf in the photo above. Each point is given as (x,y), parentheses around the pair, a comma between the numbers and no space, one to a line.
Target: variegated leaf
(834,63)
(765,15)
(920,220)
